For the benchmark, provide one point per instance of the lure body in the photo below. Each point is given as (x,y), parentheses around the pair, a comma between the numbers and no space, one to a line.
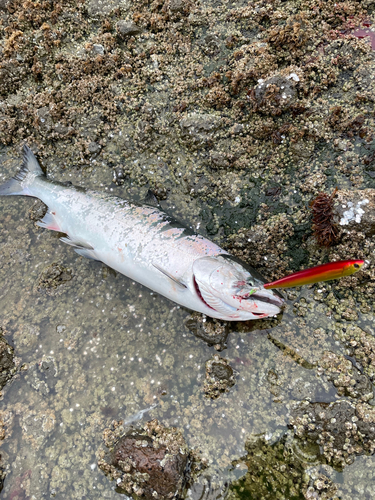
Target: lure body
(324,272)
(145,244)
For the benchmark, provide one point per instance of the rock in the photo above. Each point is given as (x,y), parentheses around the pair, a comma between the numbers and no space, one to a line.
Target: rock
(219,377)
(219,160)
(152,462)
(127,28)
(176,6)
(44,119)
(341,429)
(4,4)
(37,211)
(199,128)
(98,49)
(356,210)
(118,176)
(42,376)
(94,147)
(54,276)
(104,7)
(211,331)
(7,365)
(348,380)
(275,94)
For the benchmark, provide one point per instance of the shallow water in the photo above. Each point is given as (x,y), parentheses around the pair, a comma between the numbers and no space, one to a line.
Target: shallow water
(101,347)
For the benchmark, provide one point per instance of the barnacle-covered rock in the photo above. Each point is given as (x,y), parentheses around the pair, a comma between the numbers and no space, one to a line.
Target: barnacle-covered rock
(54,276)
(356,210)
(277,93)
(151,462)
(219,377)
(211,331)
(7,365)
(342,429)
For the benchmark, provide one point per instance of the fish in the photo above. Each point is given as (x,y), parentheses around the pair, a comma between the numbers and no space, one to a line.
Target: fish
(324,272)
(149,246)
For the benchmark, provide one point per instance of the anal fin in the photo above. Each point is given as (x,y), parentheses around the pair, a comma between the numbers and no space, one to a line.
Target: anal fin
(166,273)
(75,243)
(87,253)
(49,222)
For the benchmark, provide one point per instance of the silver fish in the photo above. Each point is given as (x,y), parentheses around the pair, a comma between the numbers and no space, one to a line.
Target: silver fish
(148,246)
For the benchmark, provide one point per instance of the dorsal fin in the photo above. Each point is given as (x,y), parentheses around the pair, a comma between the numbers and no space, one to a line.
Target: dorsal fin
(166,273)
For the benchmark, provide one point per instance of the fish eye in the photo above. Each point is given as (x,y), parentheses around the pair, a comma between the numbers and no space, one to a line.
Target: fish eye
(356,265)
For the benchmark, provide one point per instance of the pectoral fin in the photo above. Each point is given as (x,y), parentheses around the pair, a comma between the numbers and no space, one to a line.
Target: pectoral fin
(166,273)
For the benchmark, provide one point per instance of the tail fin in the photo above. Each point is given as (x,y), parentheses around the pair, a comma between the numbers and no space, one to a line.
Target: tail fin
(19,184)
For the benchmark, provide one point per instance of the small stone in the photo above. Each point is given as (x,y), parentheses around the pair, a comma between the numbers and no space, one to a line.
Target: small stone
(98,49)
(127,28)
(177,5)
(94,147)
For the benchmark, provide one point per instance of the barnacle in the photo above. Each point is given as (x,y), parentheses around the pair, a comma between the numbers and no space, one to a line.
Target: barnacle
(326,231)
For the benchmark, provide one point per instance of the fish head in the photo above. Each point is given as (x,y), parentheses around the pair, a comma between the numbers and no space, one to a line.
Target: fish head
(233,290)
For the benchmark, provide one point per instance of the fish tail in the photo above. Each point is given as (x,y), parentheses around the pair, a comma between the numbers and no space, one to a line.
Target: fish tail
(20,184)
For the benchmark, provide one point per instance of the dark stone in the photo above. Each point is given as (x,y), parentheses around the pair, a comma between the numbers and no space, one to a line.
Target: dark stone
(211,331)
(7,366)
(94,147)
(54,276)
(127,28)
(38,211)
(177,6)
(4,4)
(219,377)
(153,462)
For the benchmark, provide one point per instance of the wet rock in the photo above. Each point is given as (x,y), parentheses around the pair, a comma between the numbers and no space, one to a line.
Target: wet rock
(275,94)
(127,28)
(348,380)
(199,128)
(54,276)
(43,376)
(272,471)
(211,331)
(341,429)
(219,160)
(12,73)
(178,6)
(219,377)
(97,48)
(152,462)
(104,7)
(7,365)
(44,119)
(356,210)
(320,487)
(119,176)
(37,211)
(94,147)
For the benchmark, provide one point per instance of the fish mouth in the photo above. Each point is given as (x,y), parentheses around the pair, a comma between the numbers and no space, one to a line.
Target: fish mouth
(263,295)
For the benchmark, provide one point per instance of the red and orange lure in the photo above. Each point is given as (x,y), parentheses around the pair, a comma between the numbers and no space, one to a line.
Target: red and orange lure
(325,272)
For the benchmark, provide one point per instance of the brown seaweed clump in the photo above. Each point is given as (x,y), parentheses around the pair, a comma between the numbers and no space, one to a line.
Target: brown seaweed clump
(326,231)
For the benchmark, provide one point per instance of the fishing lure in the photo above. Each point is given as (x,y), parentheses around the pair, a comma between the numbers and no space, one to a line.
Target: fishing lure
(325,272)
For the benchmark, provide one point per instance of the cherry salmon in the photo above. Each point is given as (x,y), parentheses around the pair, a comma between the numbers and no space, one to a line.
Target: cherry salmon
(325,272)
(147,245)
